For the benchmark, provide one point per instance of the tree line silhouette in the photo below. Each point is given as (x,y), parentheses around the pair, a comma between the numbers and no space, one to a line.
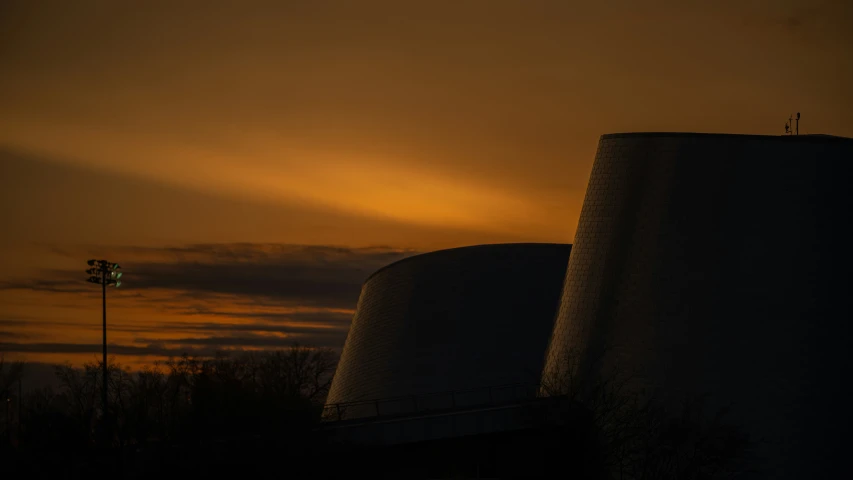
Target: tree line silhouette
(620,431)
(158,416)
(256,412)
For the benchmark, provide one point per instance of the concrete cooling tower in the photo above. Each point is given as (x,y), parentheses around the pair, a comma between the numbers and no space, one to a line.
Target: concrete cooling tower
(719,264)
(451,320)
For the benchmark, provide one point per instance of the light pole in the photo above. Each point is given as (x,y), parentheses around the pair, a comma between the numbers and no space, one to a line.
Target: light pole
(104,273)
(9,419)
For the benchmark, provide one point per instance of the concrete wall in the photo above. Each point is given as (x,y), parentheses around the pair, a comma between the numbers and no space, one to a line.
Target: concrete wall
(455,319)
(720,264)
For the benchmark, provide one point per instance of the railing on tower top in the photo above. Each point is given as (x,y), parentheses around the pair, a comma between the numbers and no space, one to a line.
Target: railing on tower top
(431,402)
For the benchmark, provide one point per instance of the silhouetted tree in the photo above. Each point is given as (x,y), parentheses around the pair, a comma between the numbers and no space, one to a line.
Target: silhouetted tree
(243,402)
(79,396)
(637,436)
(10,374)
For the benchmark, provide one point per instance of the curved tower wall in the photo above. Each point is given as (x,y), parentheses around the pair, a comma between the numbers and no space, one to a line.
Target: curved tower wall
(454,319)
(719,264)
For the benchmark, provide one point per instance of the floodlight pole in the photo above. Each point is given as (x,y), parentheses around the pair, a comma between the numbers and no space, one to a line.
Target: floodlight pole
(104,273)
(106,372)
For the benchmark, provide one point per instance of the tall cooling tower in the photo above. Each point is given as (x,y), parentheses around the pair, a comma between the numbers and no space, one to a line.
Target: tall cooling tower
(451,320)
(719,264)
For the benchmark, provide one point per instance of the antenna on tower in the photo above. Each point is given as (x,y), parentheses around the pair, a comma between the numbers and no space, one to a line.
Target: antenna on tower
(798,123)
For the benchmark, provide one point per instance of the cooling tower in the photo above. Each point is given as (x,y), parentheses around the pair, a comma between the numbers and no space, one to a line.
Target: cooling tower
(719,264)
(451,320)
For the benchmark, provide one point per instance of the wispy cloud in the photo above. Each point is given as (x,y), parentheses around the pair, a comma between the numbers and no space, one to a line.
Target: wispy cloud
(10,334)
(42,285)
(243,339)
(202,298)
(288,274)
(795,17)
(155,350)
(800,17)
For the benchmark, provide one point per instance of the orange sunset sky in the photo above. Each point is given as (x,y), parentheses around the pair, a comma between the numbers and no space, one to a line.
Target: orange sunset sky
(250,163)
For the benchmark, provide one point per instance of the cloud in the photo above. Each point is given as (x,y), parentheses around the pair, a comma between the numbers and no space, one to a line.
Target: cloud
(322,328)
(796,17)
(9,334)
(801,16)
(306,275)
(76,348)
(229,342)
(202,298)
(201,347)
(254,327)
(230,335)
(42,285)
(245,337)
(321,316)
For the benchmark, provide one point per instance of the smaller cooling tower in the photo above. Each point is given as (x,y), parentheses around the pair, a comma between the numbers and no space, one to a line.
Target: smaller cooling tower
(451,320)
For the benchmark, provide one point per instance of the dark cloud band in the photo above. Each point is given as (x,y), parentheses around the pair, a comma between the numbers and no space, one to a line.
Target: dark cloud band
(268,296)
